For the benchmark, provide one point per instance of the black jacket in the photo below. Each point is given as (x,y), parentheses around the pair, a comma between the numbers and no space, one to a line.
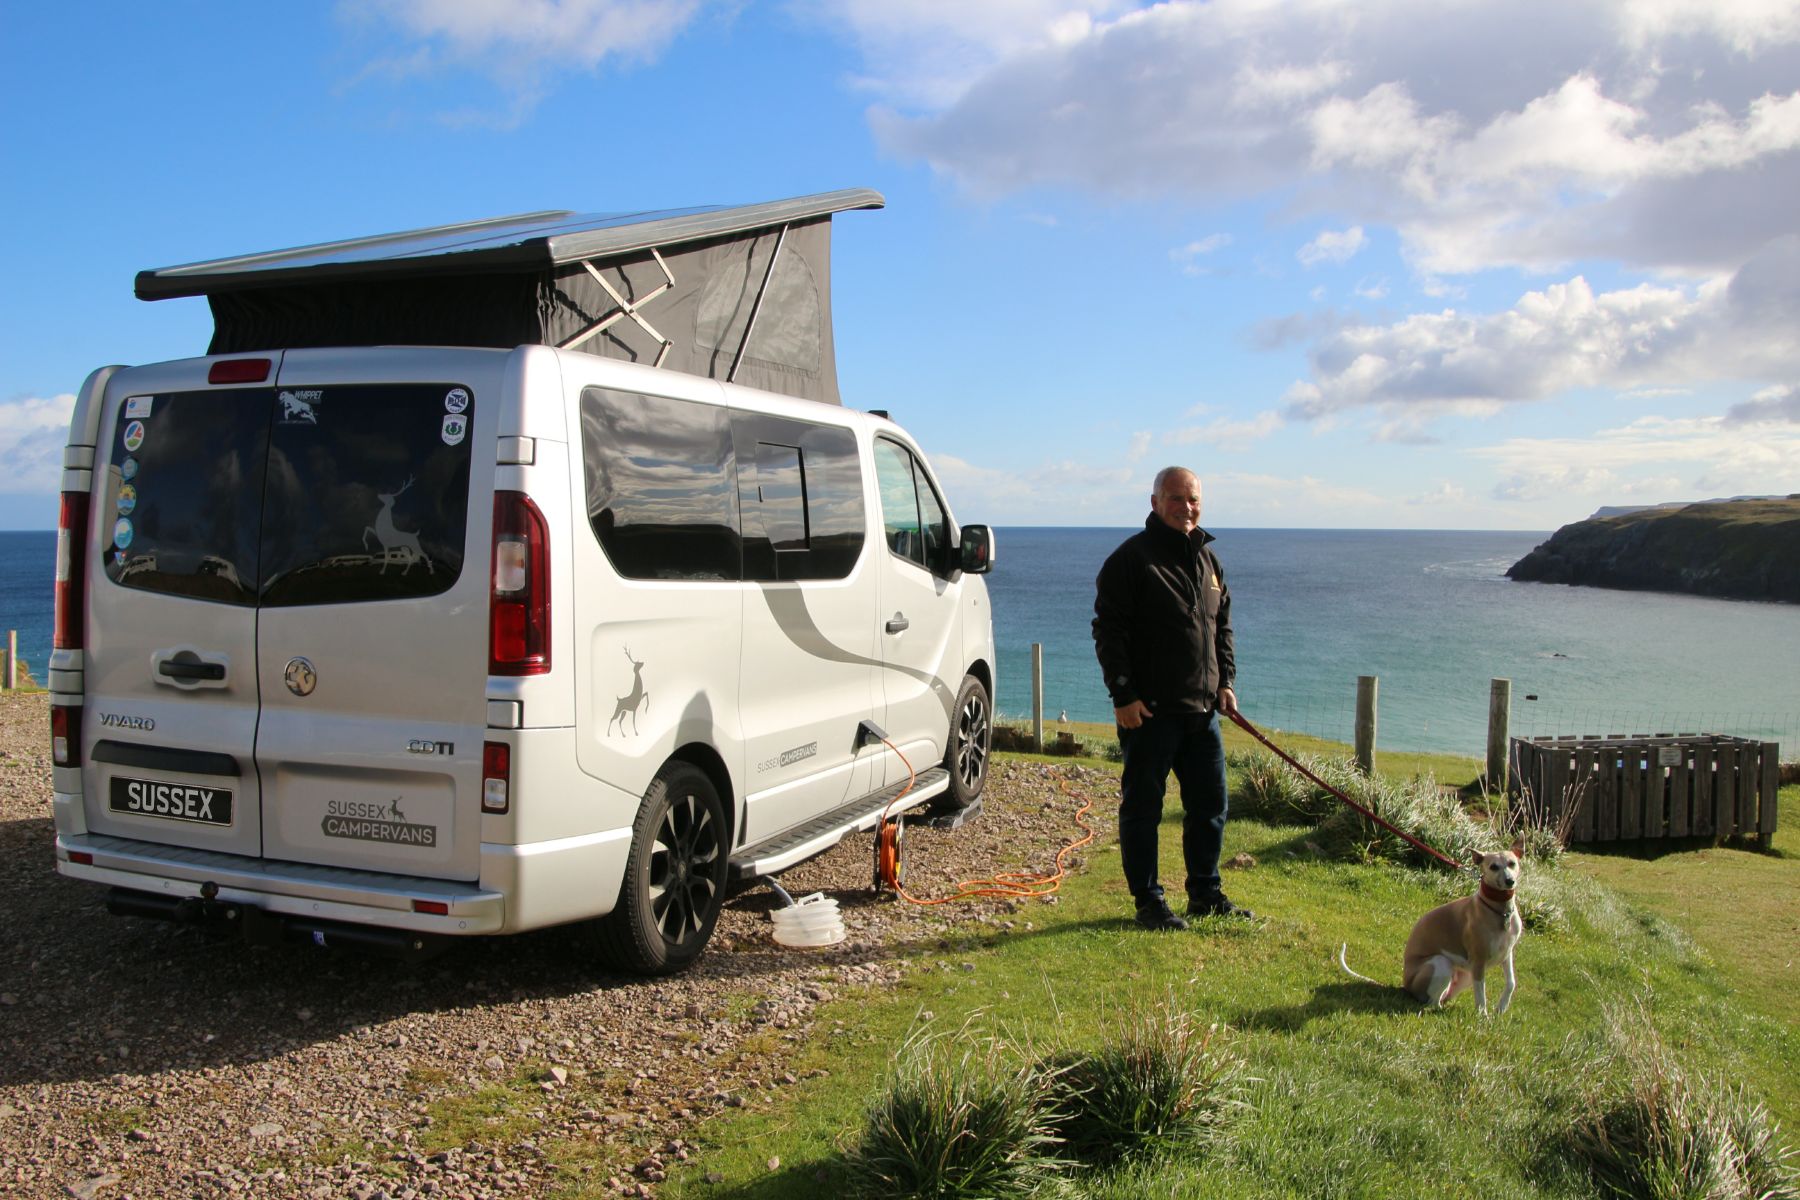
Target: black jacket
(1162,621)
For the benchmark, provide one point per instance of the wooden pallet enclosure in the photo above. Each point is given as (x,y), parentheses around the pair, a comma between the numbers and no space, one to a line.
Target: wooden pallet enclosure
(1635,786)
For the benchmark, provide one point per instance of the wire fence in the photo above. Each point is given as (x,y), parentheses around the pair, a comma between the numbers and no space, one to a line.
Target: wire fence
(1456,724)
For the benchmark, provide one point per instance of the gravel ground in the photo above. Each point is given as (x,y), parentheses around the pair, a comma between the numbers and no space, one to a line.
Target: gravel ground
(139,1059)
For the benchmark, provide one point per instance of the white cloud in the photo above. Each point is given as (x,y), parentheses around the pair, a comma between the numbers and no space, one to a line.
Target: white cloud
(1565,337)
(1641,459)
(927,52)
(1445,494)
(1333,246)
(1228,434)
(1663,133)
(1188,257)
(1771,404)
(517,41)
(33,431)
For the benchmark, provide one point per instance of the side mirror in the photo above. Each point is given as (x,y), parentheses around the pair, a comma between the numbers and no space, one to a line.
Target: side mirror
(977,550)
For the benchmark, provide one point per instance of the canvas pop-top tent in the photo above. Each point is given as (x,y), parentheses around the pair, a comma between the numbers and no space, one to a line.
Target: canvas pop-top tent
(739,293)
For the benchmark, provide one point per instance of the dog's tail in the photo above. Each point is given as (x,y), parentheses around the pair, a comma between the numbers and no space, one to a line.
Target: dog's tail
(1342,951)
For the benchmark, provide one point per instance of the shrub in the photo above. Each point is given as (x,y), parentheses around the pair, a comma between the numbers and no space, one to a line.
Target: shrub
(1420,807)
(1271,791)
(1158,1085)
(1651,1131)
(956,1123)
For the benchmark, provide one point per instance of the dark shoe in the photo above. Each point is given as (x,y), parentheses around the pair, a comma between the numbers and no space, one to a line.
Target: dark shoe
(1158,917)
(1218,906)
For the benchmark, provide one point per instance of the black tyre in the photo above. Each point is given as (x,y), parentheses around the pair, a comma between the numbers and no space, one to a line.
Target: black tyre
(675,879)
(966,752)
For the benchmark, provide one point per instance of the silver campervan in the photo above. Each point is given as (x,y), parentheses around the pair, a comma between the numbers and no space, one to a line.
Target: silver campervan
(497,576)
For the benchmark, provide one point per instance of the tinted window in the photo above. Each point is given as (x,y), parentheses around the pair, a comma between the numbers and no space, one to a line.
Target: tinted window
(801,495)
(184,493)
(367,494)
(913,518)
(661,485)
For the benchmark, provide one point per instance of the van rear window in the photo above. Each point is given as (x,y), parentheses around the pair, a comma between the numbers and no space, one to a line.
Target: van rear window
(368,498)
(291,496)
(184,493)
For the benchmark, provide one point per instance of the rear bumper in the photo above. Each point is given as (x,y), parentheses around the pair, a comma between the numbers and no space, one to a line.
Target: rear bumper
(283,888)
(521,887)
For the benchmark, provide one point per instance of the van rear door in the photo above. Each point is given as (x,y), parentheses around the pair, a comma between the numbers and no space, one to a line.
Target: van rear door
(170,664)
(372,648)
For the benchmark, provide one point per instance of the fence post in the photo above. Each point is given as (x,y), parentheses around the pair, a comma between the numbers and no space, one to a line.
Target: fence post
(12,659)
(1037,697)
(1366,686)
(1499,719)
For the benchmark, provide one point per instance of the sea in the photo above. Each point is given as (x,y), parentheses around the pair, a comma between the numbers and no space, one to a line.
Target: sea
(1430,615)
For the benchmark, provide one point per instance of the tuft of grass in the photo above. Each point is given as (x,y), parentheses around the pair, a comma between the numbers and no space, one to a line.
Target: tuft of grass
(958,1119)
(1271,791)
(1158,1086)
(1653,1131)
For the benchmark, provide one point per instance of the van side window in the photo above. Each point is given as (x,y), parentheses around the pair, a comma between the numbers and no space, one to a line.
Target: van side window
(912,516)
(661,485)
(801,495)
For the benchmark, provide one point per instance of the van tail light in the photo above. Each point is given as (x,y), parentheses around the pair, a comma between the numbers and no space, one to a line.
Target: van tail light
(71,572)
(65,735)
(519,613)
(496,777)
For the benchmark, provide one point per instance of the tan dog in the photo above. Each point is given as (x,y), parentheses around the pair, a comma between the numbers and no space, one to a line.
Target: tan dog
(1453,945)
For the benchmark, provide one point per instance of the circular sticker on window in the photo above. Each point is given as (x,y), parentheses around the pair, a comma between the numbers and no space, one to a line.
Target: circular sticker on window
(134,435)
(128,469)
(457,400)
(127,498)
(122,533)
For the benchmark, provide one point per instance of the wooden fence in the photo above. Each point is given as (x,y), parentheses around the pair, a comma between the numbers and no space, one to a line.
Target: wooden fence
(1651,786)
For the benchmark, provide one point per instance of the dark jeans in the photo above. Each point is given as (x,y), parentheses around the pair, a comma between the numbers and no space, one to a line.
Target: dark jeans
(1190,745)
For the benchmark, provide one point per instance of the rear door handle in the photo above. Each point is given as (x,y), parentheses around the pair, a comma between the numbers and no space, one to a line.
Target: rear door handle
(188,670)
(898,622)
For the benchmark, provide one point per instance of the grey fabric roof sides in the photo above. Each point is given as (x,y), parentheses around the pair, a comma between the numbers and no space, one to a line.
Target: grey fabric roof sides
(525,241)
(740,293)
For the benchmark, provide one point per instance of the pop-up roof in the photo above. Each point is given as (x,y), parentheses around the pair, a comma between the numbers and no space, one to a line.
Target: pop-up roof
(741,293)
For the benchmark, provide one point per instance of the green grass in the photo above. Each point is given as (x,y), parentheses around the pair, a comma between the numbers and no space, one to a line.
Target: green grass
(1356,1092)
(1451,770)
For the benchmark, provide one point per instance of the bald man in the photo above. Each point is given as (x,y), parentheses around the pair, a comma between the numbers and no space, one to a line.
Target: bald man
(1162,632)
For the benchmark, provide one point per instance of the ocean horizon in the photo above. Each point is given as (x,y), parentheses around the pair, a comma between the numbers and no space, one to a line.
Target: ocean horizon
(1430,613)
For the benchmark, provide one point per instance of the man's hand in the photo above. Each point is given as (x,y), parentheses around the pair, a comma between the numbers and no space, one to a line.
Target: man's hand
(1132,715)
(1228,702)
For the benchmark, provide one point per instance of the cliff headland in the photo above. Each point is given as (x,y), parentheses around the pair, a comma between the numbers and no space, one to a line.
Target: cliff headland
(1735,549)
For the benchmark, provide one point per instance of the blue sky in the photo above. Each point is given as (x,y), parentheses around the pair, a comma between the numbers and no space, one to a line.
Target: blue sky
(1360,264)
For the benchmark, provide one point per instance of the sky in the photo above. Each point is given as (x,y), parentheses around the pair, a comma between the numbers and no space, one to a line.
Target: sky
(1359,263)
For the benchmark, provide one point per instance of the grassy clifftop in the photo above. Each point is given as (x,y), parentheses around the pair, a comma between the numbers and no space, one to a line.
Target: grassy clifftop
(1738,549)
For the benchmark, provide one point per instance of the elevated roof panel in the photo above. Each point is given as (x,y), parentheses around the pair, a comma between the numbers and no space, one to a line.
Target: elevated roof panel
(522,242)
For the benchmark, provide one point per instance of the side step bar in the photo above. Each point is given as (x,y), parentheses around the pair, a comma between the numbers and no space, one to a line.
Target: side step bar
(828,829)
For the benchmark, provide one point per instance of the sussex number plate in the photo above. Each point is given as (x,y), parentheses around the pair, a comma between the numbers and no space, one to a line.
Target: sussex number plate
(171,801)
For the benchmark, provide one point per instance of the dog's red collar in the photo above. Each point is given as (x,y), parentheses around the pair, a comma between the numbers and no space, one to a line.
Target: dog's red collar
(1494,895)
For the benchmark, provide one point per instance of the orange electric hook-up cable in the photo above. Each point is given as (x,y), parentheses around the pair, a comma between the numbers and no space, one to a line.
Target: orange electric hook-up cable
(889,836)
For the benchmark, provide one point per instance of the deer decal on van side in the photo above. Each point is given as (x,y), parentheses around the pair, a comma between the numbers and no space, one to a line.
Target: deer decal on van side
(632,700)
(397,545)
